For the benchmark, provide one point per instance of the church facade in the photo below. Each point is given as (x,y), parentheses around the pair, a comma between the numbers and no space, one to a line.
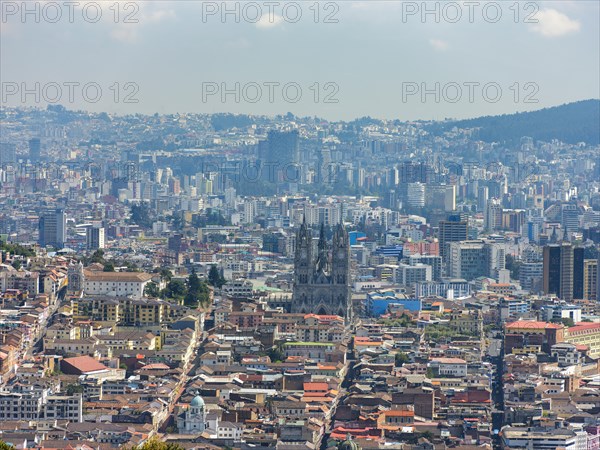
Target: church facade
(322,275)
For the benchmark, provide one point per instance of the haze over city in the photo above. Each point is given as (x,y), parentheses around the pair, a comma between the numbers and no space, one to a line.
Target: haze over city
(354,225)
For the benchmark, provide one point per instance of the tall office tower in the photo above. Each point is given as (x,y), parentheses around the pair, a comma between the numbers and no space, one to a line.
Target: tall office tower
(52,228)
(496,259)
(322,278)
(94,238)
(468,260)
(7,153)
(483,193)
(280,157)
(452,230)
(415,195)
(578,278)
(413,172)
(439,196)
(570,217)
(590,279)
(35,150)
(450,198)
(431,260)
(563,271)
(551,275)
(493,216)
(530,276)
(393,177)
(567,257)
(325,170)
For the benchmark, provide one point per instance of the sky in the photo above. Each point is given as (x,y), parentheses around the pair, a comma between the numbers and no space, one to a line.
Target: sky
(333,59)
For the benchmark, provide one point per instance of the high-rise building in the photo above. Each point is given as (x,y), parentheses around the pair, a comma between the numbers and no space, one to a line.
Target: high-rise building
(35,149)
(496,259)
(280,157)
(413,172)
(493,216)
(566,272)
(94,237)
(452,230)
(483,193)
(322,277)
(439,196)
(551,275)
(578,275)
(590,279)
(468,260)
(530,276)
(563,271)
(415,196)
(570,217)
(7,153)
(52,227)
(431,260)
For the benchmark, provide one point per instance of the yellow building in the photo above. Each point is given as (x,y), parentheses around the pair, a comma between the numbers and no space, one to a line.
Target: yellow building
(585,333)
(467,322)
(590,278)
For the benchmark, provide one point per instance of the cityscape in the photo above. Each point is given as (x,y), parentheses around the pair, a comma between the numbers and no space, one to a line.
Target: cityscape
(275,280)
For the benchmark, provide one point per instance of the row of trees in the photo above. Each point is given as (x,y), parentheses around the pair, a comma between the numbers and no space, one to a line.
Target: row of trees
(192,292)
(17,249)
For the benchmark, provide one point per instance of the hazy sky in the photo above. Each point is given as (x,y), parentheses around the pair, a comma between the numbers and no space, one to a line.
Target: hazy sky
(372,57)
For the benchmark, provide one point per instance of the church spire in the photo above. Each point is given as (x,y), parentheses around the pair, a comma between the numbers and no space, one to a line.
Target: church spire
(322,257)
(322,241)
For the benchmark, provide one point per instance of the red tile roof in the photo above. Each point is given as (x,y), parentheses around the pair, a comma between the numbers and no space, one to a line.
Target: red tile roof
(85,364)
(316,387)
(531,324)
(582,326)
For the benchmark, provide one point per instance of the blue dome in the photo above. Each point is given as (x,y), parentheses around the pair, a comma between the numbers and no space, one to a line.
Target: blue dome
(197,402)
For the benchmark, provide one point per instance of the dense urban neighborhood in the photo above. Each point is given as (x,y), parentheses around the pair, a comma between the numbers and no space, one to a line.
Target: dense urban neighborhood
(226,281)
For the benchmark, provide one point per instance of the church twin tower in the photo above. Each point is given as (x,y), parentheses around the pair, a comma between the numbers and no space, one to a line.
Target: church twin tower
(322,275)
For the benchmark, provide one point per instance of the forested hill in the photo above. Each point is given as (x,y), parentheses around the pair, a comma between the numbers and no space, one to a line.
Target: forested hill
(571,123)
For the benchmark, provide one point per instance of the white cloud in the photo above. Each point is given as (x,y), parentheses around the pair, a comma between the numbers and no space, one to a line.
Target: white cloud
(131,22)
(438,44)
(269,21)
(552,23)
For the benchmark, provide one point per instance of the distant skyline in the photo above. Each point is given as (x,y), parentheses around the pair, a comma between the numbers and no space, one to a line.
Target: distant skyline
(373,58)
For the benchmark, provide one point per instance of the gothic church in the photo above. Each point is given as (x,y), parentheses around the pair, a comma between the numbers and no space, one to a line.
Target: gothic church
(322,277)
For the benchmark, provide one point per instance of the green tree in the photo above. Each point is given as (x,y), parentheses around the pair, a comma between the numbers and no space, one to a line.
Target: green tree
(74,389)
(401,358)
(97,256)
(176,221)
(151,290)
(215,278)
(175,289)
(513,266)
(197,291)
(140,215)
(276,353)
(5,446)
(566,321)
(193,289)
(16,249)
(108,267)
(17,264)
(166,274)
